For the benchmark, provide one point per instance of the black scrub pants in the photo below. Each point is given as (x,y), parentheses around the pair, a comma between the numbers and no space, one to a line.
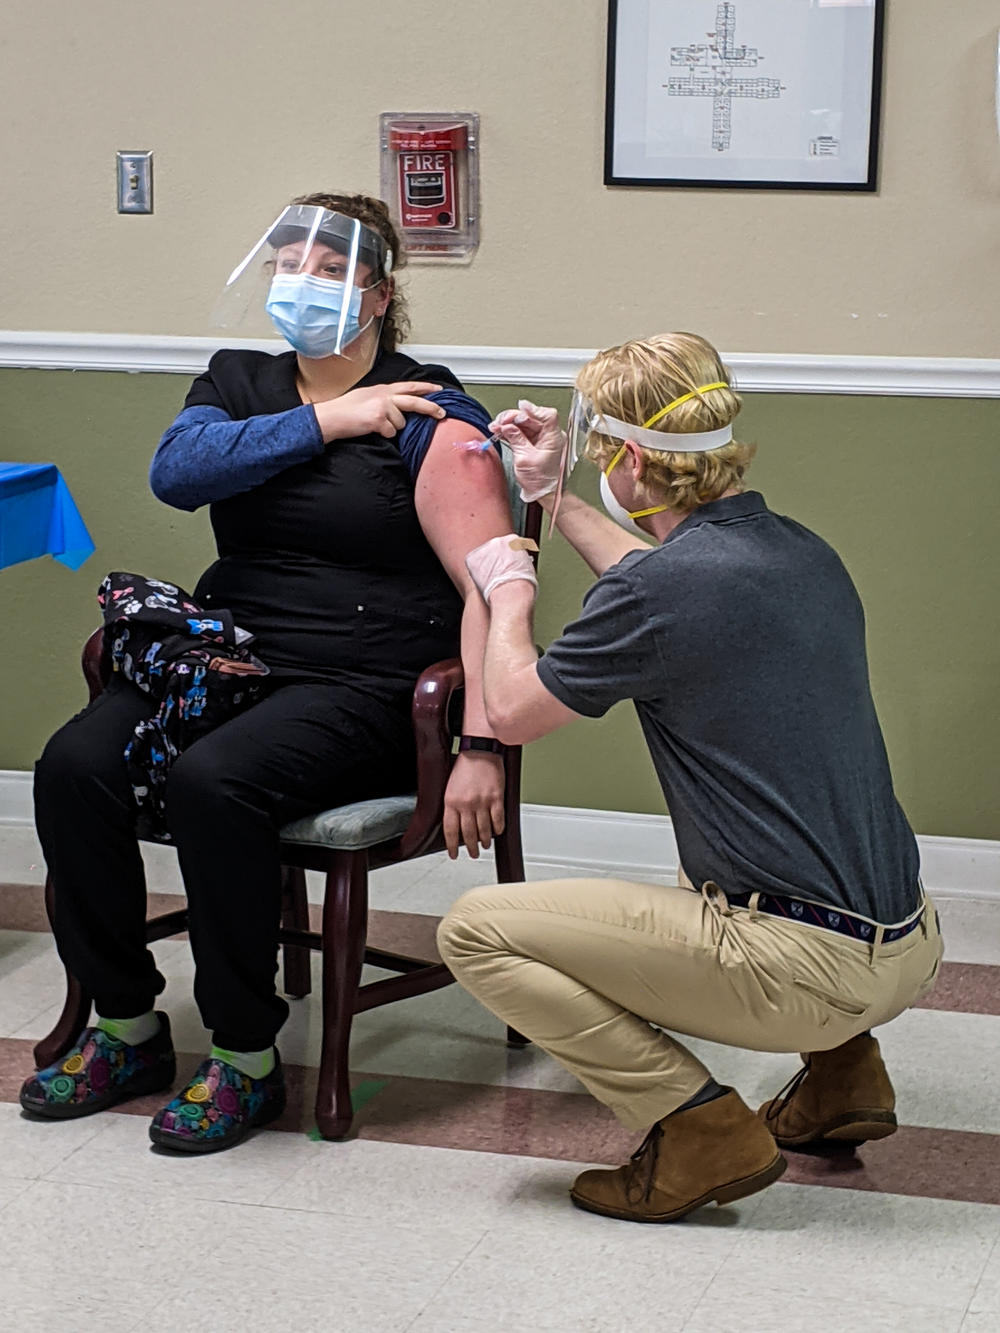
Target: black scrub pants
(309,745)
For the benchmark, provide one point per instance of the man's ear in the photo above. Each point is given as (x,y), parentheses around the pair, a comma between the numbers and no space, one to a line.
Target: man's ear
(636,460)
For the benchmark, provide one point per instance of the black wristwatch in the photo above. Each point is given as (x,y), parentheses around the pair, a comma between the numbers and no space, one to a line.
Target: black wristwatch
(489,744)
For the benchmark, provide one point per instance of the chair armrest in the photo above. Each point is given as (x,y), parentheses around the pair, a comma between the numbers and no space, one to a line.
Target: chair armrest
(533,514)
(432,706)
(96,664)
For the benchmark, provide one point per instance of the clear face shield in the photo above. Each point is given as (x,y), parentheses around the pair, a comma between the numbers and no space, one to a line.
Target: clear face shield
(320,278)
(583,419)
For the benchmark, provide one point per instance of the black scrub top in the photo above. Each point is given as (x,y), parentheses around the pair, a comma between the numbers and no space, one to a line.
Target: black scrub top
(326,563)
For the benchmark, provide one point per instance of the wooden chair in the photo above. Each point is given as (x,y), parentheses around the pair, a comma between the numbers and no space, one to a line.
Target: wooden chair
(346,843)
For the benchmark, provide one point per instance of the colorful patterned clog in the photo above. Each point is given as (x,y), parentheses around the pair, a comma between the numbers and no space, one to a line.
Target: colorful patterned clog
(218,1108)
(99,1071)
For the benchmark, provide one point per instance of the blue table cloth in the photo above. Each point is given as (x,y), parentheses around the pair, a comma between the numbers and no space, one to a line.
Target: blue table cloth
(38,516)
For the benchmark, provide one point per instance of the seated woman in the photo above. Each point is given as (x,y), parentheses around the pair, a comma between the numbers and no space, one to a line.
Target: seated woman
(342,511)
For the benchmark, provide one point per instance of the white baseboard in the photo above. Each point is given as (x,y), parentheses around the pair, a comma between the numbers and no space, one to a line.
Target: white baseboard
(15,797)
(635,846)
(754,372)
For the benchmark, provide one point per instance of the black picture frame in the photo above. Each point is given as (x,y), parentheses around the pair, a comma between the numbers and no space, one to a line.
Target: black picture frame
(818,168)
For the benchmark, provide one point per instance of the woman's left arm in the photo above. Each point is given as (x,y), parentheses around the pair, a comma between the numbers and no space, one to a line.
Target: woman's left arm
(461,500)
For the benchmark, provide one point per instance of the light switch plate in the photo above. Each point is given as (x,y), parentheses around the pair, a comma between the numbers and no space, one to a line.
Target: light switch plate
(135,182)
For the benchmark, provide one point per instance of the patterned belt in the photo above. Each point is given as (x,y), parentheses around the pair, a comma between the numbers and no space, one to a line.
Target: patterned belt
(827,918)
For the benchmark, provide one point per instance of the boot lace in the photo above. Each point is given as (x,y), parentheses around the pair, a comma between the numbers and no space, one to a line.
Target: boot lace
(786,1094)
(642,1167)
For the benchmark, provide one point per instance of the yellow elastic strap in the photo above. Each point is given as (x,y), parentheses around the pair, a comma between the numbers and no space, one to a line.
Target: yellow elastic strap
(614,462)
(639,513)
(703,388)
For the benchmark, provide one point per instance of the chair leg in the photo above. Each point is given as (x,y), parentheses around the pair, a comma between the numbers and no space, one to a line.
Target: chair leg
(295,915)
(345,921)
(76,1009)
(509,851)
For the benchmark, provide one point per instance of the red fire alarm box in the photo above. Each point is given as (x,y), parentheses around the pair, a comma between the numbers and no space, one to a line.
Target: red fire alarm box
(430,180)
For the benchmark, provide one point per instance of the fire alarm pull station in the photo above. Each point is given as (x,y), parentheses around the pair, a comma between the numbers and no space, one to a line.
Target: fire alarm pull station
(430,180)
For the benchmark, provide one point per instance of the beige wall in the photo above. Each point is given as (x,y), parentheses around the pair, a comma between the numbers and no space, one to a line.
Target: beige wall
(245,103)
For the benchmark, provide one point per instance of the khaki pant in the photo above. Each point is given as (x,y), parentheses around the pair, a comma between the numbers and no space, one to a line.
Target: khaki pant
(583,967)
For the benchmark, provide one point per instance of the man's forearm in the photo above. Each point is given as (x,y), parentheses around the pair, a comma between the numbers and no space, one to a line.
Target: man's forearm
(510,655)
(594,536)
(475,627)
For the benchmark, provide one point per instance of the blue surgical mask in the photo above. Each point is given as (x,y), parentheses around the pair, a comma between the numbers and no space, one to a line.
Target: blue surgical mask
(309,313)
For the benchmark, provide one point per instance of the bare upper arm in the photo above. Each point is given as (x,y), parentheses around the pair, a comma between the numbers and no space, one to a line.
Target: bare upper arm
(461,497)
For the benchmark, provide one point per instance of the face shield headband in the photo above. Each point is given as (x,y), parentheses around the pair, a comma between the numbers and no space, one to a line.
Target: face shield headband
(585,420)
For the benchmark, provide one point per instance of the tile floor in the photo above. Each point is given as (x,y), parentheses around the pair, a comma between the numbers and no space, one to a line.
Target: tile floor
(447,1213)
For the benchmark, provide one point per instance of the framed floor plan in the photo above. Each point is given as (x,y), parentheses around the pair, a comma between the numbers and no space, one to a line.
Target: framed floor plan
(745,94)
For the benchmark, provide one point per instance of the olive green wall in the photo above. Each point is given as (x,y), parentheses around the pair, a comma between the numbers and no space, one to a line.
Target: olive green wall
(904,488)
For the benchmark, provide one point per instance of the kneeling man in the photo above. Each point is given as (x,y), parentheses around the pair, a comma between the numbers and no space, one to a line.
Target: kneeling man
(800,922)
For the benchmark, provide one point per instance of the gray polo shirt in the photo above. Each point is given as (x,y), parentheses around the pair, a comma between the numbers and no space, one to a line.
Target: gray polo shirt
(741,640)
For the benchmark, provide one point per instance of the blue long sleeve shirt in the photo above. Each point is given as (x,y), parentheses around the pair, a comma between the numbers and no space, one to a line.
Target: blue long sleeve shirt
(205,455)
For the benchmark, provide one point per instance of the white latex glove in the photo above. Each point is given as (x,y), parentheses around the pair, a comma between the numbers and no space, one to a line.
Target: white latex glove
(501,560)
(538,445)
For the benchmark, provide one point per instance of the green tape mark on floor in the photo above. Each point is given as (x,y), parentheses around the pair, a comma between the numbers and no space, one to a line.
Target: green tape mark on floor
(364,1092)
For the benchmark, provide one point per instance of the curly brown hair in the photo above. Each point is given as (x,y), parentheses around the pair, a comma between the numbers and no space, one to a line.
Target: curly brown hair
(374,213)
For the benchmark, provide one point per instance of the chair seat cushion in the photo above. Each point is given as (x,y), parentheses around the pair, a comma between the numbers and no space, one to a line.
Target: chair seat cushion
(351,827)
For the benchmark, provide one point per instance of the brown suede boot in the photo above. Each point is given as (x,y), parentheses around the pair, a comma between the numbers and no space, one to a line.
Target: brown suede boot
(843,1094)
(717,1151)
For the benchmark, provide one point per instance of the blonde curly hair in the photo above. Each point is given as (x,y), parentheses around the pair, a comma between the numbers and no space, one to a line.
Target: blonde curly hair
(635,381)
